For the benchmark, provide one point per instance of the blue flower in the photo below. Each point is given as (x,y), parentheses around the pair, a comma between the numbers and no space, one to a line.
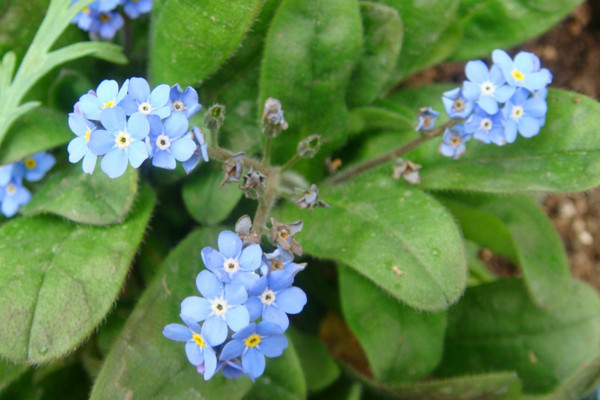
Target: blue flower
(78,147)
(232,369)
(486,87)
(106,5)
(168,141)
(523,114)
(274,298)
(281,260)
(122,140)
(106,24)
(201,152)
(427,118)
(85,17)
(107,95)
(198,347)
(524,71)
(220,306)
(453,143)
(186,102)
(486,128)
(253,344)
(36,166)
(133,8)
(8,171)
(13,195)
(141,100)
(232,262)
(456,104)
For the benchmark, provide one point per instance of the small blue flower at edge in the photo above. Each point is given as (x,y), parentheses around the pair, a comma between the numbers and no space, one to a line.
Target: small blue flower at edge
(122,140)
(198,347)
(78,147)
(134,8)
(453,142)
(35,167)
(524,114)
(220,306)
(253,344)
(185,102)
(13,195)
(427,118)
(456,104)
(201,152)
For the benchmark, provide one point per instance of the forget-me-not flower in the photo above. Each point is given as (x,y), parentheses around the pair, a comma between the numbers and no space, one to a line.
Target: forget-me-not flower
(486,128)
(78,147)
(201,151)
(523,114)
(35,167)
(524,71)
(169,140)
(486,87)
(142,100)
(456,104)
(13,195)
(427,118)
(107,95)
(453,142)
(185,102)
(134,8)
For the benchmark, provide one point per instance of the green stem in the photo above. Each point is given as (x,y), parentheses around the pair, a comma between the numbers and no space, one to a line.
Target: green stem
(392,154)
(290,163)
(267,152)
(220,154)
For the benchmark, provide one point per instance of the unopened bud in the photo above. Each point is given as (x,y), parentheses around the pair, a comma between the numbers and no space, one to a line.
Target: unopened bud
(273,121)
(308,147)
(233,168)
(427,118)
(214,117)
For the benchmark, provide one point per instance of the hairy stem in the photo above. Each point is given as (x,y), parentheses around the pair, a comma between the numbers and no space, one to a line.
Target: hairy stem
(267,152)
(290,162)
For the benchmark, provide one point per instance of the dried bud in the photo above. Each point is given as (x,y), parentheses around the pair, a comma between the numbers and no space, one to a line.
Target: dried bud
(273,121)
(427,118)
(308,147)
(214,117)
(310,199)
(243,227)
(408,170)
(254,183)
(333,165)
(233,168)
(283,235)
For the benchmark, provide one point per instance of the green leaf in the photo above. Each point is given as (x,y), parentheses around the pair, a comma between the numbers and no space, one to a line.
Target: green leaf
(35,131)
(16,35)
(561,158)
(309,54)
(318,365)
(145,365)
(505,23)
(382,31)
(59,280)
(283,379)
(204,36)
(534,243)
(377,118)
(10,372)
(478,272)
(104,51)
(375,224)
(496,327)
(401,343)
(90,199)
(206,202)
(426,30)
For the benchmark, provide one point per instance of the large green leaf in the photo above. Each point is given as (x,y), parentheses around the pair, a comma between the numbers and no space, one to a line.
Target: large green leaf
(283,379)
(90,199)
(59,280)
(143,364)
(395,235)
(35,131)
(492,24)
(497,327)
(207,202)
(191,39)
(427,28)
(382,31)
(535,244)
(310,50)
(401,343)
(318,365)
(563,157)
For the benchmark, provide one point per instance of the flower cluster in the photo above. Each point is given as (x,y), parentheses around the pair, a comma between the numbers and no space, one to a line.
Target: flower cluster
(497,103)
(246,298)
(12,192)
(102,18)
(131,124)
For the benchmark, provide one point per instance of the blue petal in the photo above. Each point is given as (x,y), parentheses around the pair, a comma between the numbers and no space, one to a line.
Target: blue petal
(510,131)
(107,90)
(291,300)
(215,330)
(194,353)
(268,329)
(76,149)
(114,163)
(503,93)
(113,119)
(245,278)
(138,152)
(139,89)
(162,112)
(502,58)
(245,332)
(471,91)
(254,363)
(90,106)
(251,257)
(212,259)
(77,124)
(254,307)
(9,206)
(138,126)
(210,363)
(230,245)
(258,287)
(235,294)
(537,80)
(536,107)
(231,350)
(164,159)
(529,127)
(276,316)
(177,332)
(237,317)
(489,104)
(160,96)
(196,308)
(89,162)
(524,62)
(182,149)
(273,346)
(176,125)
(129,105)
(207,283)
(477,71)
(101,142)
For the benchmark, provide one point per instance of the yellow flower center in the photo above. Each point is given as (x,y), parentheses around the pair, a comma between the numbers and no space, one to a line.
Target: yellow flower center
(252,340)
(178,106)
(86,10)
(283,234)
(123,140)
(199,340)
(87,135)
(30,163)
(518,75)
(108,104)
(104,17)
(11,189)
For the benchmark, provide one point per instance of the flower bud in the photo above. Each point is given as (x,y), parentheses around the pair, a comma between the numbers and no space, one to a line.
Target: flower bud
(309,146)
(214,117)
(273,121)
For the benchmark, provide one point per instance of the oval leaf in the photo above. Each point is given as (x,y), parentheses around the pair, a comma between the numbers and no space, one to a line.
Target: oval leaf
(309,53)
(191,39)
(143,364)
(58,280)
(401,343)
(496,327)
(90,199)
(395,235)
